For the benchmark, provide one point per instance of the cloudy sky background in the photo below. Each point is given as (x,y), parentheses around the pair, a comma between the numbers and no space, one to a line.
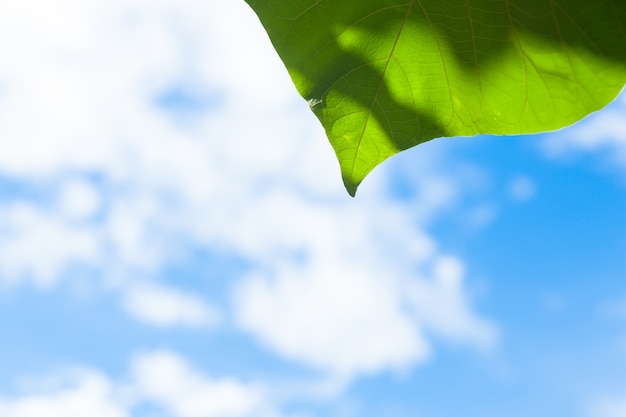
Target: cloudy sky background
(175,240)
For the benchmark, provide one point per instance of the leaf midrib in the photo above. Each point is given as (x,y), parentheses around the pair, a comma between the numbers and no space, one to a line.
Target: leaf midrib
(380,84)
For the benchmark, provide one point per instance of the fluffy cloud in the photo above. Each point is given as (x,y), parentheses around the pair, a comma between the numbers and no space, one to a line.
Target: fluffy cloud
(81,100)
(76,394)
(599,132)
(144,129)
(38,243)
(163,381)
(337,321)
(163,306)
(166,379)
(349,307)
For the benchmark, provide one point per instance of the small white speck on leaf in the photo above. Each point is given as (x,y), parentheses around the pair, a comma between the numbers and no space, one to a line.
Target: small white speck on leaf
(314,103)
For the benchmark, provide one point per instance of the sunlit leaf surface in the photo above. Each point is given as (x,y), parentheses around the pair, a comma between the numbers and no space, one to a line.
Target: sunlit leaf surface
(385,75)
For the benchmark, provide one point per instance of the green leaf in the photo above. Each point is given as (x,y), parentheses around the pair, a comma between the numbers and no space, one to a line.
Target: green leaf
(385,75)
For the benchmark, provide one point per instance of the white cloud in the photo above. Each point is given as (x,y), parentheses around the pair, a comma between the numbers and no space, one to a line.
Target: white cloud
(601,131)
(442,306)
(340,322)
(350,307)
(161,182)
(163,306)
(38,244)
(79,200)
(335,280)
(166,379)
(162,380)
(82,393)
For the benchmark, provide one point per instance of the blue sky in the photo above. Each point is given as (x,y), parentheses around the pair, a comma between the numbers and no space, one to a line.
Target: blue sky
(175,240)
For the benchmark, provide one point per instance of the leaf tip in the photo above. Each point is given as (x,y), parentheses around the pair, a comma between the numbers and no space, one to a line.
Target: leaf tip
(350,185)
